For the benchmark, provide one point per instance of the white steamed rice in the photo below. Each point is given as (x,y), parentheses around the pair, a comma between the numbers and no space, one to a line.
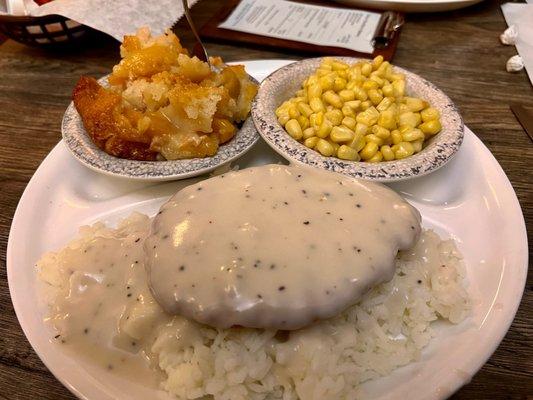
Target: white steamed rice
(328,360)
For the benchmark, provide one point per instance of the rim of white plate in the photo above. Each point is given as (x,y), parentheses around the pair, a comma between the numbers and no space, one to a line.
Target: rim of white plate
(511,308)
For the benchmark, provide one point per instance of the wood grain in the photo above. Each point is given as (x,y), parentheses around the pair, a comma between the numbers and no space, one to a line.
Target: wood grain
(459,51)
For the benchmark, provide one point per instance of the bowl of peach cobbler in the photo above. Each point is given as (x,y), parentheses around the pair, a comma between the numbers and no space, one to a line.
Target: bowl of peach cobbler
(161,113)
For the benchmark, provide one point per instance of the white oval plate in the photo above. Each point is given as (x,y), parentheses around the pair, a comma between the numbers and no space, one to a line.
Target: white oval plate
(86,152)
(411,5)
(470,199)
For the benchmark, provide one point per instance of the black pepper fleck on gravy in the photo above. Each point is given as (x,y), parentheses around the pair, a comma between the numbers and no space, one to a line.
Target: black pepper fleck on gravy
(279,244)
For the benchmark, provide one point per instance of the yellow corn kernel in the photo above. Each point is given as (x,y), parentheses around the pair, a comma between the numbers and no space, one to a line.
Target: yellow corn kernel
(347,95)
(393,107)
(366,69)
(403,150)
(358,142)
(349,122)
(354,78)
(385,104)
(378,80)
(293,112)
(311,142)
(284,119)
(351,84)
(300,93)
(343,74)
(387,119)
(332,98)
(417,145)
(398,88)
(373,111)
(353,104)
(324,129)
(366,118)
(326,82)
(312,80)
(339,84)
(388,90)
(404,128)
(341,134)
(365,105)
(373,138)
(324,147)
(314,91)
(308,132)
(316,119)
(337,65)
(377,61)
(360,94)
(322,71)
(361,129)
(384,66)
(412,134)
(294,129)
(281,110)
(409,118)
(369,84)
(397,77)
(430,127)
(334,116)
(317,105)
(402,108)
(414,104)
(368,151)
(299,99)
(378,157)
(347,153)
(374,96)
(334,144)
(429,114)
(304,109)
(396,136)
(304,122)
(327,61)
(388,154)
(380,132)
(347,111)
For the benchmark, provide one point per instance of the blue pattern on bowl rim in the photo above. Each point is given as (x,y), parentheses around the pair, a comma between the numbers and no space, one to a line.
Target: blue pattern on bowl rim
(283,83)
(84,150)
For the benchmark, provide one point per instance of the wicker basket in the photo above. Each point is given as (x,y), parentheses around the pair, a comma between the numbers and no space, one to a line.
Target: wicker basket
(47,31)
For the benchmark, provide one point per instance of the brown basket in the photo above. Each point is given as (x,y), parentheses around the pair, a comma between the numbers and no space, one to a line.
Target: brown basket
(46,31)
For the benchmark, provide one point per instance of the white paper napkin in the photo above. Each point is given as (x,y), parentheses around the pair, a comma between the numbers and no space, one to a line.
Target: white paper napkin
(521,15)
(114,17)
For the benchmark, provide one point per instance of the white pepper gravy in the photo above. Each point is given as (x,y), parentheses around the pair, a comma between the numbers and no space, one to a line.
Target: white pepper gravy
(275,247)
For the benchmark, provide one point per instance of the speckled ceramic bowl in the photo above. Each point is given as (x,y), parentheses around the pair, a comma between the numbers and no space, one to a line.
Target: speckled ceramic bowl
(282,84)
(85,151)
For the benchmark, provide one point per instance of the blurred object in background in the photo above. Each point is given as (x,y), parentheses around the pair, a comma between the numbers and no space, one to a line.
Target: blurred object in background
(59,23)
(410,5)
(318,27)
(50,31)
(519,17)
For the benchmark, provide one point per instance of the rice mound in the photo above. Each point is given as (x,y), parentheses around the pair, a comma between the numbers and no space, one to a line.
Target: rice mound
(327,360)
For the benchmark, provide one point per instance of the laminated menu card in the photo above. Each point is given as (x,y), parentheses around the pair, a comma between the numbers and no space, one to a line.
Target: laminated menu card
(308,27)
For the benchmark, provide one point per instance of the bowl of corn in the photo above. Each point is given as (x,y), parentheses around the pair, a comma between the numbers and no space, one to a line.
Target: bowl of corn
(363,118)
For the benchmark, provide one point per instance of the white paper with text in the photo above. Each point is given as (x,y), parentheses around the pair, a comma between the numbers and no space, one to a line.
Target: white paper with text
(323,26)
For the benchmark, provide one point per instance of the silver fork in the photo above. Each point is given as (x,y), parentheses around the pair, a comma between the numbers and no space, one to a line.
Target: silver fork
(187,11)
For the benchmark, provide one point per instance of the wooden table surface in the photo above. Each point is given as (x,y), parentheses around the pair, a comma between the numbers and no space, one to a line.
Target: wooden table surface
(459,51)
